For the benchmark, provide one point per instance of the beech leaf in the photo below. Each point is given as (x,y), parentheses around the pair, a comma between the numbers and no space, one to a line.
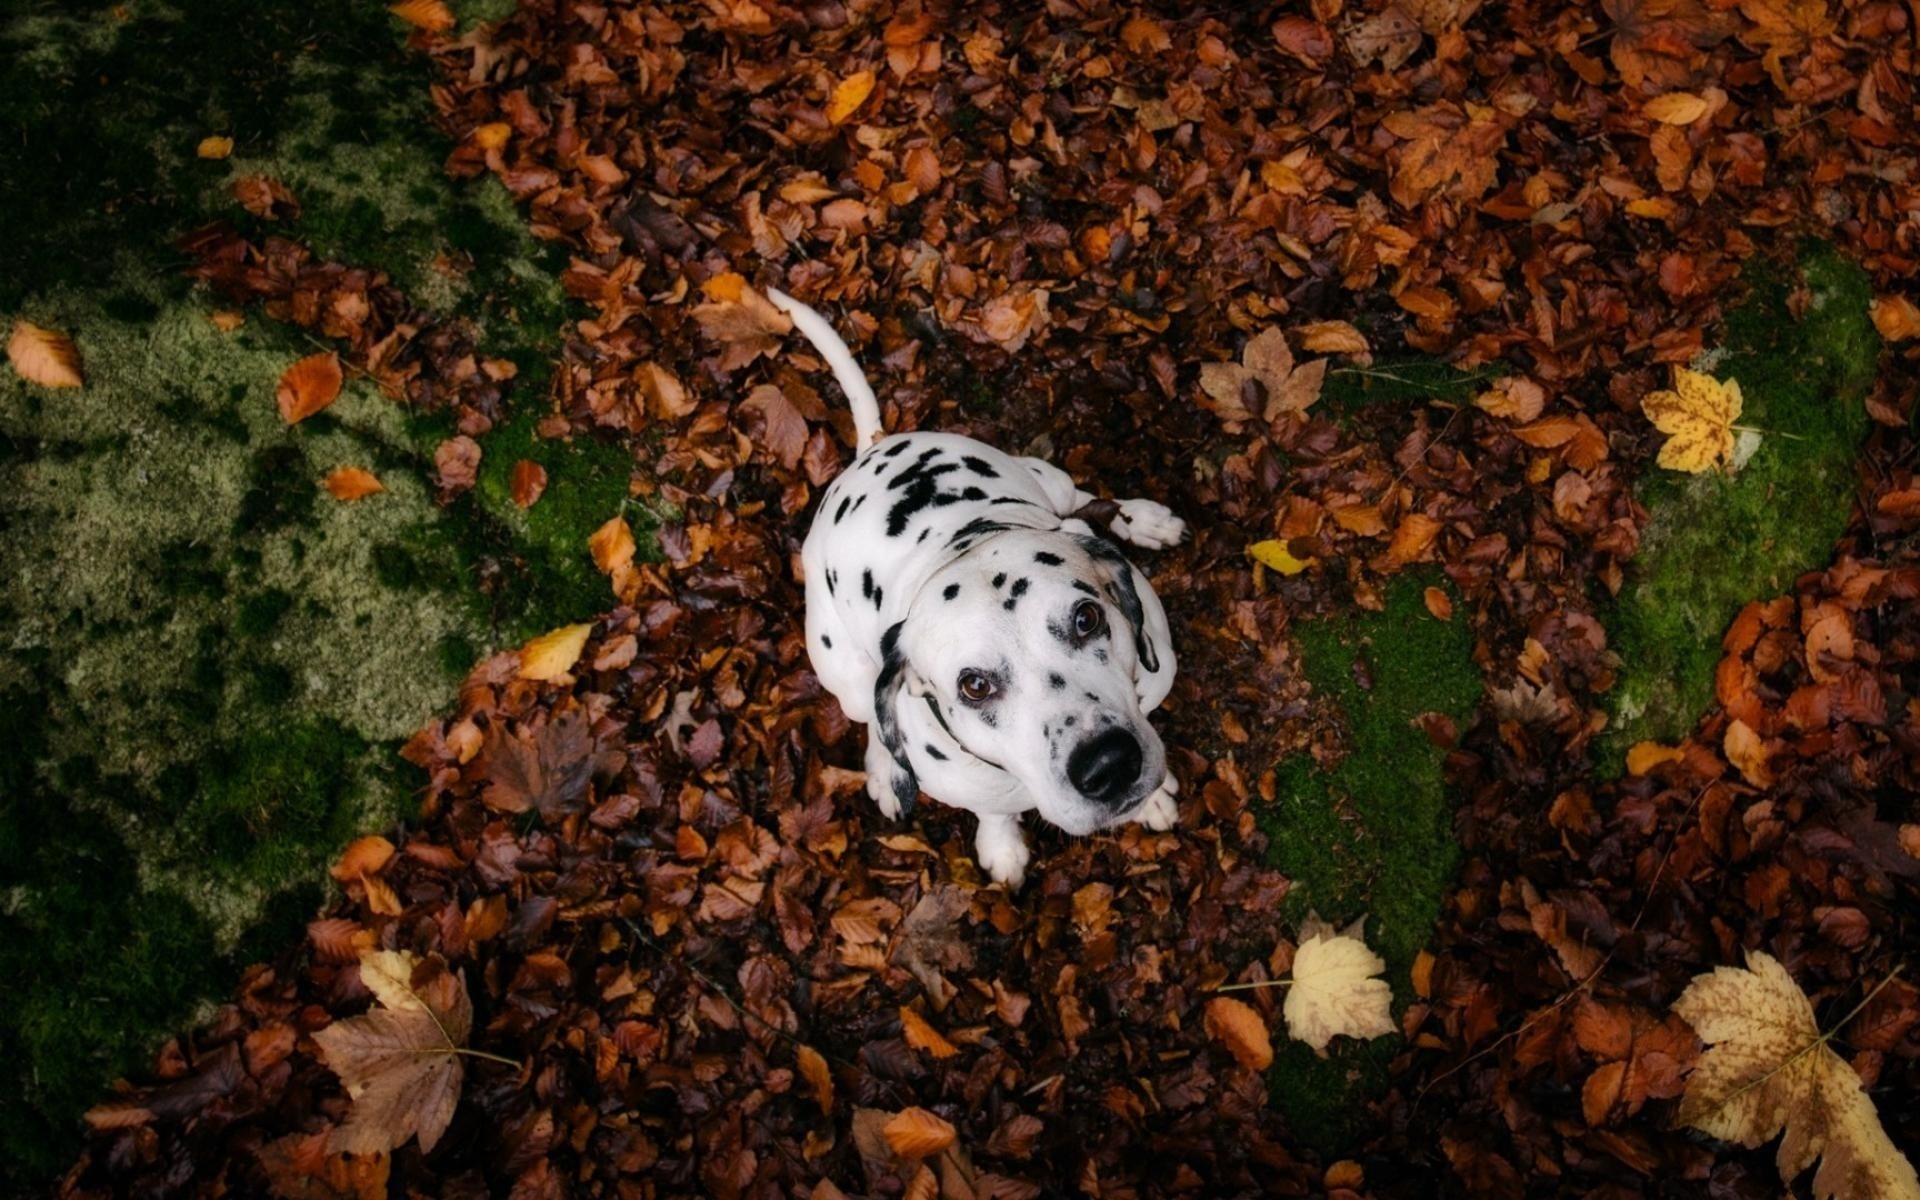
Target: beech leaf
(44,356)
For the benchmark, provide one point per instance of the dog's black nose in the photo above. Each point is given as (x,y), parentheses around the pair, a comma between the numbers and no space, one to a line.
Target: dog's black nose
(1105,768)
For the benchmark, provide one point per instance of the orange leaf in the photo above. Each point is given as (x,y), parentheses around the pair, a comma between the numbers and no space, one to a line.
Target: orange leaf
(1363,519)
(813,1069)
(1602,1090)
(529,480)
(493,135)
(431,15)
(1896,317)
(363,856)
(1237,1026)
(1438,603)
(1676,108)
(215,147)
(308,386)
(1645,756)
(44,356)
(917,1133)
(725,288)
(923,1036)
(353,483)
(612,545)
(226,320)
(1332,337)
(1548,434)
(1745,750)
(848,95)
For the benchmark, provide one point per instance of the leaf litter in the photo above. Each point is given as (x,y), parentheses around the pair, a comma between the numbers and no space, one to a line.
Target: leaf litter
(719,972)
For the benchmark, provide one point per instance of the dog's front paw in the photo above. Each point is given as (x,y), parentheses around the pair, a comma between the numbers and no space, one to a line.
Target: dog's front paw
(880,787)
(1148,524)
(1002,850)
(1160,810)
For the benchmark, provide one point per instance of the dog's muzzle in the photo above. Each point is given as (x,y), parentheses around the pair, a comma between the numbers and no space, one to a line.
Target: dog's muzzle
(1104,769)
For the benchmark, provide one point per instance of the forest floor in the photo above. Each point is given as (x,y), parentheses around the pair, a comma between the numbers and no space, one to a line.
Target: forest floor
(1560,727)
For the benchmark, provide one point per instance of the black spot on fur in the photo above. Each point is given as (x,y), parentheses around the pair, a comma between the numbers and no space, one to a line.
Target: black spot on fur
(1000,580)
(841,511)
(980,467)
(886,695)
(1056,682)
(922,537)
(950,591)
(826,641)
(829,583)
(1019,587)
(894,450)
(973,495)
(1081,585)
(876,599)
(858,501)
(866,584)
(1047,558)
(933,752)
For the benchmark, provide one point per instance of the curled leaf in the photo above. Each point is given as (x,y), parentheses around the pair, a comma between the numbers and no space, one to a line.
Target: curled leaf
(44,356)
(308,386)
(1240,1028)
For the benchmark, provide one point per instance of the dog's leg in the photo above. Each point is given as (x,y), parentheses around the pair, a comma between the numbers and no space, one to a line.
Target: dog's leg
(880,769)
(1001,849)
(1145,523)
(1161,810)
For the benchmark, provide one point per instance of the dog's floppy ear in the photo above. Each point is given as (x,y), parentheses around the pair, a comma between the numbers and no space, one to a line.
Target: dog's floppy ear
(886,720)
(1128,597)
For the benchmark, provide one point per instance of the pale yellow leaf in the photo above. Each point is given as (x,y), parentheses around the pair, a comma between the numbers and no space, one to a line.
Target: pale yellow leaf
(552,655)
(44,356)
(1768,1072)
(1335,990)
(388,974)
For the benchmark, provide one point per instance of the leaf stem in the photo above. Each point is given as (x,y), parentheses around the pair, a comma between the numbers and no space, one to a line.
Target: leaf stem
(1258,983)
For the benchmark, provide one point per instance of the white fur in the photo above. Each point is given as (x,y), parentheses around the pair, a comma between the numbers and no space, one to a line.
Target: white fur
(957,557)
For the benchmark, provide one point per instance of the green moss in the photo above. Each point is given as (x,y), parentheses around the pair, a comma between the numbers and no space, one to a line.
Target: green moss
(1370,835)
(1399,382)
(1716,541)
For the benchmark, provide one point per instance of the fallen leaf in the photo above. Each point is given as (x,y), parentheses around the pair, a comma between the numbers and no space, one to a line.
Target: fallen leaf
(1676,108)
(813,1069)
(848,95)
(917,1133)
(1514,397)
(1239,1027)
(431,15)
(528,482)
(552,655)
(1333,337)
(1896,317)
(1275,556)
(400,1065)
(363,856)
(1267,361)
(1768,1070)
(44,356)
(923,1036)
(1334,991)
(226,320)
(1645,756)
(308,386)
(1698,415)
(353,483)
(612,546)
(215,147)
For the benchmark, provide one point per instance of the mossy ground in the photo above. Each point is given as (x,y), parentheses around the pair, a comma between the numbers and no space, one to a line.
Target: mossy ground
(1371,835)
(208,661)
(1716,541)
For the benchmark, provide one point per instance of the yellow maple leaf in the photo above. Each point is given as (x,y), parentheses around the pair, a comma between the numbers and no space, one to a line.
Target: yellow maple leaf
(1768,1069)
(1698,416)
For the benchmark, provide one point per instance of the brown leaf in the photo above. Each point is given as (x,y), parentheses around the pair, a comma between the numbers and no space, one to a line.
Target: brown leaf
(848,95)
(783,431)
(431,15)
(923,1036)
(265,197)
(308,386)
(529,481)
(401,1067)
(363,857)
(44,356)
(612,546)
(813,1069)
(456,463)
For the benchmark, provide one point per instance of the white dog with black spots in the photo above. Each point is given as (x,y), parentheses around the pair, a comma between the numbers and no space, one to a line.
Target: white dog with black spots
(1002,652)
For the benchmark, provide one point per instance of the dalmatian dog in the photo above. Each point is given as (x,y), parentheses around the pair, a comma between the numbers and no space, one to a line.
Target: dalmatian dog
(1003,653)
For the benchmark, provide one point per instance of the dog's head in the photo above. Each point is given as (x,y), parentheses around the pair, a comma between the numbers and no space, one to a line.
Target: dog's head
(1031,650)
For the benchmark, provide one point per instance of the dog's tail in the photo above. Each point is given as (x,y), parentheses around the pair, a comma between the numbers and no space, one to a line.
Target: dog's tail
(846,372)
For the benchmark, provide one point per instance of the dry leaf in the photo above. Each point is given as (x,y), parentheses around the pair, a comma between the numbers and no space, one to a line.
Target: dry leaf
(552,655)
(1896,317)
(1267,361)
(1514,397)
(1333,337)
(813,1069)
(917,1133)
(1334,991)
(363,856)
(923,1036)
(1746,751)
(1240,1028)
(308,386)
(1676,108)
(1698,415)
(1768,1069)
(431,15)
(226,320)
(1645,756)
(44,356)
(848,95)
(528,482)
(215,147)
(400,1062)
(611,545)
(353,483)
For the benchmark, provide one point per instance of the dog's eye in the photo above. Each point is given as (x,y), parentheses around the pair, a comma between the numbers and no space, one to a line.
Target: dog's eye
(975,686)
(1089,619)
